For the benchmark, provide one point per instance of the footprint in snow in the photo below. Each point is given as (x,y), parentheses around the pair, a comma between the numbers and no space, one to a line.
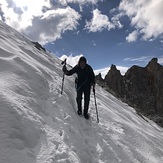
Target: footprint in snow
(63,135)
(67,117)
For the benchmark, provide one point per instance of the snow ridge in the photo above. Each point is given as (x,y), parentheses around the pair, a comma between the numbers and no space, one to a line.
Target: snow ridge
(39,125)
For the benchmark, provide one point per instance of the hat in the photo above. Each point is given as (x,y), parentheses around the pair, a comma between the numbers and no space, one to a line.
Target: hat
(82,59)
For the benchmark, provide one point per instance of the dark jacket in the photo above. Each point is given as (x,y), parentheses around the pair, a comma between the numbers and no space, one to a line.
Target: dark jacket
(85,77)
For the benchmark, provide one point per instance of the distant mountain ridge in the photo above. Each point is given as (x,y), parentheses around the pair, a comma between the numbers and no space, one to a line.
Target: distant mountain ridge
(140,87)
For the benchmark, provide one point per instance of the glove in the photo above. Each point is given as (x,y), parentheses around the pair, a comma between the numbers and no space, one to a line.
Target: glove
(64,69)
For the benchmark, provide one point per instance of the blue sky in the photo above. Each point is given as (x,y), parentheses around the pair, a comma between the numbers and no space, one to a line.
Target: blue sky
(121,32)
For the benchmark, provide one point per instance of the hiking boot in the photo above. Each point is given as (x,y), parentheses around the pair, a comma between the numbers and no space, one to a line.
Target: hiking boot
(86,116)
(79,112)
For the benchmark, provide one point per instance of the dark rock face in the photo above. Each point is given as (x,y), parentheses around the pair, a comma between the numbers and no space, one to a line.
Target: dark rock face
(99,78)
(139,90)
(155,72)
(114,80)
(38,46)
(141,87)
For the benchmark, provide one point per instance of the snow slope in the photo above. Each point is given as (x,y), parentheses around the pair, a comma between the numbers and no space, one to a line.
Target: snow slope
(39,125)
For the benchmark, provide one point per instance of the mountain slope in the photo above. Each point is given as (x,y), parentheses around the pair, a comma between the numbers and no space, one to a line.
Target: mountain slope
(39,125)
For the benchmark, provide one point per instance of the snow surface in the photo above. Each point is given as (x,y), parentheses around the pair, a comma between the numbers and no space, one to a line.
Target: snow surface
(39,125)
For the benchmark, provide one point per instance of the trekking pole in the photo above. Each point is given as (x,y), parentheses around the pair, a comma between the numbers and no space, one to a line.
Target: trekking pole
(64,64)
(95,105)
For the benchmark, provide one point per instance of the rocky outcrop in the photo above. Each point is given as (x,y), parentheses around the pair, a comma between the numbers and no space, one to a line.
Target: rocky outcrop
(138,89)
(100,81)
(114,80)
(38,46)
(99,78)
(141,87)
(155,72)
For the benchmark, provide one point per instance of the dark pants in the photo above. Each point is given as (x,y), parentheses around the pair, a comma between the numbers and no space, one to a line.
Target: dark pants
(86,99)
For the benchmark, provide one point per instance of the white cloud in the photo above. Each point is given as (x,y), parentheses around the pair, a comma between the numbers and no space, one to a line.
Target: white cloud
(132,36)
(98,22)
(105,70)
(122,69)
(52,24)
(160,60)
(146,16)
(19,14)
(38,20)
(71,60)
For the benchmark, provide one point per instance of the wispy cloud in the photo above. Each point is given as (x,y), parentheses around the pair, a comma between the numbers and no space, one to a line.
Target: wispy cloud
(139,59)
(144,60)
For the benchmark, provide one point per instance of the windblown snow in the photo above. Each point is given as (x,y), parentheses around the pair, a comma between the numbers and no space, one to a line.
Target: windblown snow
(39,125)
